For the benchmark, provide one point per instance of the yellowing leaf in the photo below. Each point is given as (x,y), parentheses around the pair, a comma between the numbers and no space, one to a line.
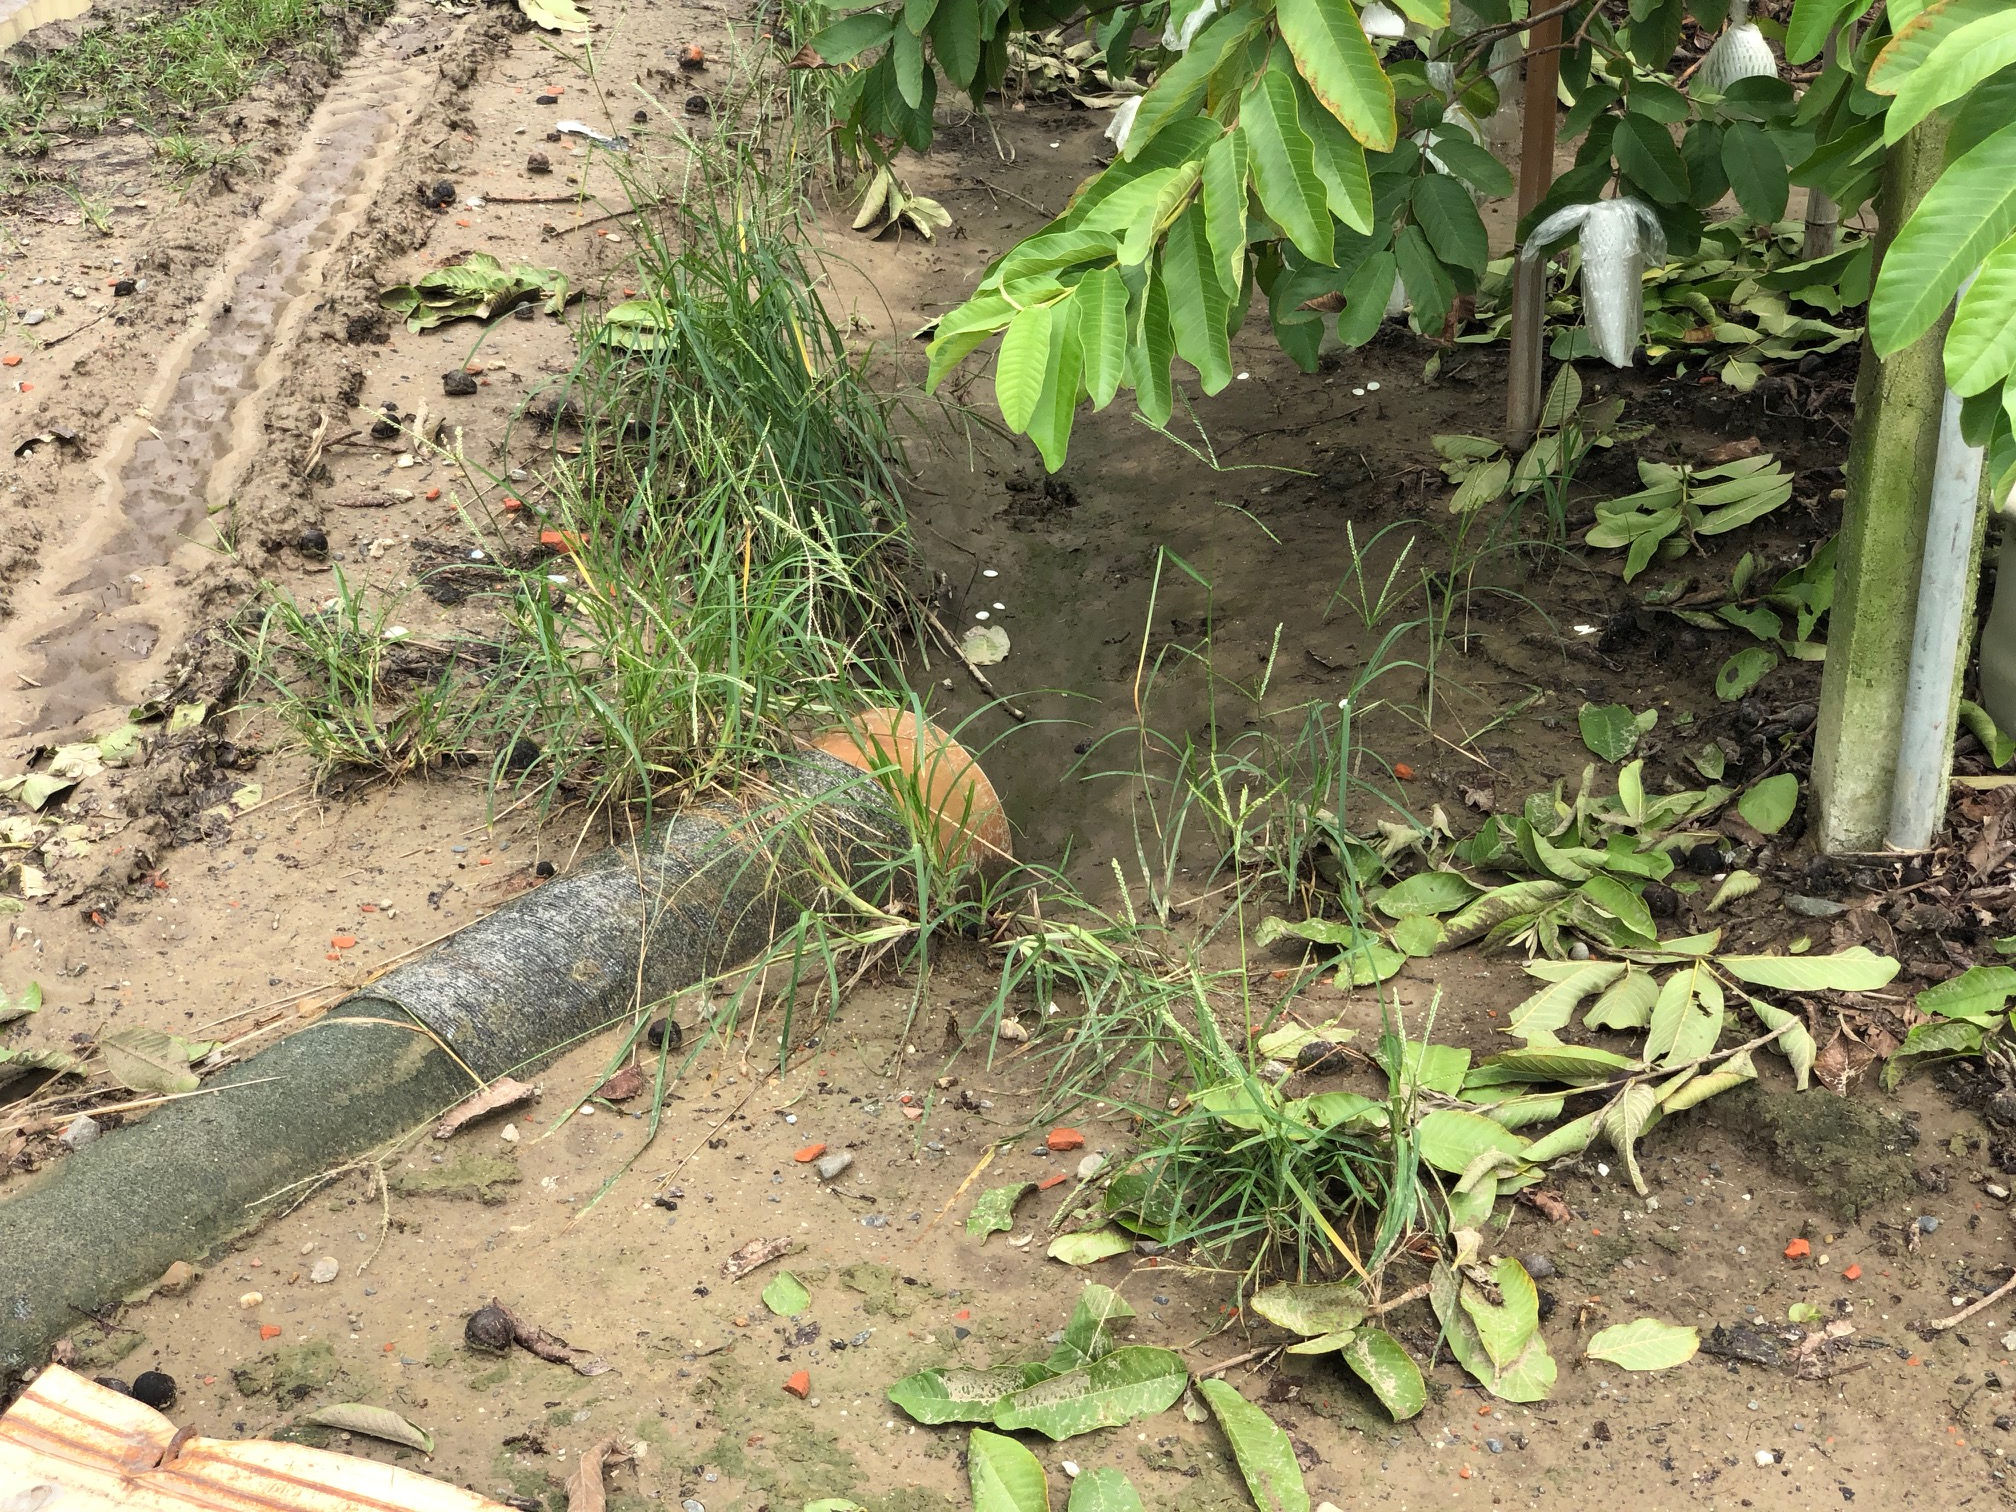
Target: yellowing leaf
(555,15)
(1645,1344)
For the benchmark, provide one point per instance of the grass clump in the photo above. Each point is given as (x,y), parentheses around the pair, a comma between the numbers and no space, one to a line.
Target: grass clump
(163,64)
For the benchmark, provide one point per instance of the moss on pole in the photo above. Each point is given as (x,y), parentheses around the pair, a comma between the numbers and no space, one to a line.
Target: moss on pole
(1890,465)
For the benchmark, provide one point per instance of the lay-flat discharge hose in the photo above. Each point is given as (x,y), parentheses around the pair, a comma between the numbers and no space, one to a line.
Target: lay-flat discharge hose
(694,896)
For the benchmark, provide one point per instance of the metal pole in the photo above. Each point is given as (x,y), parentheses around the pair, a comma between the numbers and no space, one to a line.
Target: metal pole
(1529,281)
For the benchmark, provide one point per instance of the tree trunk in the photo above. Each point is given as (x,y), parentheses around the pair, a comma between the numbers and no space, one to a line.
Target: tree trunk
(1890,464)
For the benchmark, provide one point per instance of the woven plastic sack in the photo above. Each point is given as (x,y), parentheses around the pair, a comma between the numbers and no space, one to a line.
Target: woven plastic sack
(1620,239)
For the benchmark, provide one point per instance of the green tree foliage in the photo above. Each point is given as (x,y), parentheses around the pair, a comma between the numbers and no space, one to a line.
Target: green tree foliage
(1287,148)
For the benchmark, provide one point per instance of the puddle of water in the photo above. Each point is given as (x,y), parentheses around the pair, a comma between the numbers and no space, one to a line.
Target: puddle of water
(20,17)
(179,460)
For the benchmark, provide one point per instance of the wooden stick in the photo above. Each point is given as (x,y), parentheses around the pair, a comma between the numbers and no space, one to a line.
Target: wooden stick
(1976,1306)
(1529,278)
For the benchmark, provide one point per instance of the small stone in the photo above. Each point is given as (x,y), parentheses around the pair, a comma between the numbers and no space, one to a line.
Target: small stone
(81,1130)
(177,1279)
(1012,1031)
(664,1032)
(1538,1266)
(1496,1446)
(1578,951)
(324,1270)
(1766,1457)
(457,383)
(538,162)
(830,1167)
(546,99)
(509,1134)
(1996,1190)
(251,1300)
(876,1220)
(1927,1224)
(1091,1166)
(122,287)
(34,317)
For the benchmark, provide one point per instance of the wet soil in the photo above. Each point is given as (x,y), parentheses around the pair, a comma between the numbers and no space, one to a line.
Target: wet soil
(186,901)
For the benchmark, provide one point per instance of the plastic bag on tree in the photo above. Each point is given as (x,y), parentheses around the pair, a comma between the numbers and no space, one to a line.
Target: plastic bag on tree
(1739,53)
(1620,239)
(1380,20)
(1181,29)
(1123,123)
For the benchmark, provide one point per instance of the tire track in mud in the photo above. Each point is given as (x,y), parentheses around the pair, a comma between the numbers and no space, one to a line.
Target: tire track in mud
(108,616)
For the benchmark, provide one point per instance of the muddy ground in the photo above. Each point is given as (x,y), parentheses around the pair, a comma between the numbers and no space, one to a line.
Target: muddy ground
(207,886)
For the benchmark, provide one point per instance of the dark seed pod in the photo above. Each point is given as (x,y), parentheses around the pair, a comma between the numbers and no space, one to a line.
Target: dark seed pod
(489,1329)
(1320,1056)
(154,1388)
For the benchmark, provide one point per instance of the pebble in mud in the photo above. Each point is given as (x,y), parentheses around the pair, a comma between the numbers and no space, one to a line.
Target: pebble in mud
(155,1388)
(457,383)
(324,1270)
(1538,1266)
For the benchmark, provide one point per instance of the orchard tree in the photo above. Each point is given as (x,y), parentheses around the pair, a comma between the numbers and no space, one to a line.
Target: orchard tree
(1329,157)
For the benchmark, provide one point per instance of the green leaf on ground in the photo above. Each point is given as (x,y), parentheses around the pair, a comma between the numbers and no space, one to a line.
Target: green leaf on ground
(1265,1458)
(1382,1363)
(786,1295)
(994,1209)
(1977,992)
(1005,1476)
(1090,1246)
(1856,969)
(1309,1310)
(1429,892)
(1086,1336)
(1610,730)
(1767,807)
(1743,671)
(1645,1344)
(1103,1489)
(961,1396)
(1132,1382)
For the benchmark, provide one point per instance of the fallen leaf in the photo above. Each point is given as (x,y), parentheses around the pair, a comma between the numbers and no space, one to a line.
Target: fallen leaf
(500,1094)
(624,1085)
(984,645)
(753,1256)
(146,1060)
(1548,1204)
(378,1422)
(584,1486)
(1734,451)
